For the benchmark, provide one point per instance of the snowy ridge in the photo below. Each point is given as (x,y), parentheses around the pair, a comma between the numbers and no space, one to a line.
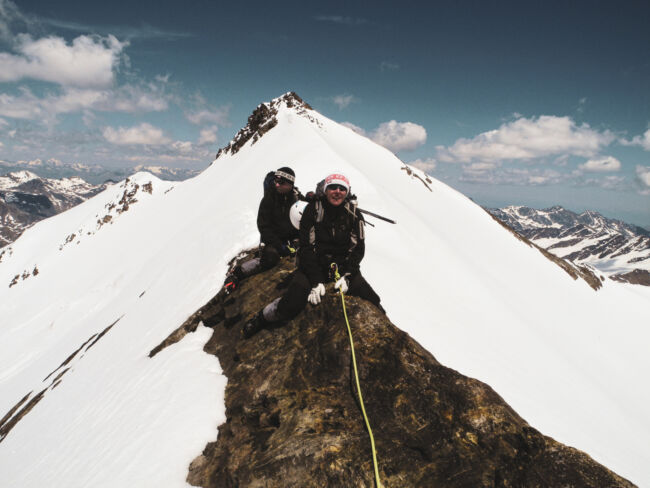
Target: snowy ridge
(568,359)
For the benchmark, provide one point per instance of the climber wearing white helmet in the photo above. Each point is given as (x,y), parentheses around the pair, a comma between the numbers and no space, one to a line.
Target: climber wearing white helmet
(274,224)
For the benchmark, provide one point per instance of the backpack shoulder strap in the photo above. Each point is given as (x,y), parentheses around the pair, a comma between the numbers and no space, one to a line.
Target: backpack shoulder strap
(320,211)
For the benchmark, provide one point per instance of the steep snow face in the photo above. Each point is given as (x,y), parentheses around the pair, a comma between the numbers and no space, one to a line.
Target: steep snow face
(570,360)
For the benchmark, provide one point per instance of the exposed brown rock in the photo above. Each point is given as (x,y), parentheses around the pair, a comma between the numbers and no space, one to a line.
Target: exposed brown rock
(293,418)
(14,281)
(263,119)
(16,414)
(5,427)
(415,175)
(635,277)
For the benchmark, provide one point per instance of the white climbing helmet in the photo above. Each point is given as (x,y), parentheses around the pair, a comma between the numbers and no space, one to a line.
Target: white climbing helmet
(295,214)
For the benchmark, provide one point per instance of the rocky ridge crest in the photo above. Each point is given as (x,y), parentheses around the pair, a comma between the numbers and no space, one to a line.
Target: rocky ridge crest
(293,418)
(263,119)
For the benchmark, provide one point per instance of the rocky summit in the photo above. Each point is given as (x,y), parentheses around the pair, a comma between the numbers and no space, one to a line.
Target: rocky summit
(293,418)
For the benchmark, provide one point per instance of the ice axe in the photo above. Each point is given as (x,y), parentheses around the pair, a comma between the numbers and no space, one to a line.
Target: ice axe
(368,212)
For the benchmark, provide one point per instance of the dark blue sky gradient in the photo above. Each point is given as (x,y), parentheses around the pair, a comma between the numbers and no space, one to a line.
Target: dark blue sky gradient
(456,68)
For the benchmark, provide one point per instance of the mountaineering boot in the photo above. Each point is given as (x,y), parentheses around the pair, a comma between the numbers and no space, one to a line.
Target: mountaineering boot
(232,281)
(254,325)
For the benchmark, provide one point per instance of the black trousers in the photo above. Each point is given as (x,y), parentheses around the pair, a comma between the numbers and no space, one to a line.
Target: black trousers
(295,298)
(270,256)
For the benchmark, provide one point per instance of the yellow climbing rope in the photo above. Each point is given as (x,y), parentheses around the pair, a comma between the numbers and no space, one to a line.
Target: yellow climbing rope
(356,377)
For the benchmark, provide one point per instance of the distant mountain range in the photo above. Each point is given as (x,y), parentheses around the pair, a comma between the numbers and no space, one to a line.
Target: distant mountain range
(36,190)
(616,249)
(26,198)
(94,174)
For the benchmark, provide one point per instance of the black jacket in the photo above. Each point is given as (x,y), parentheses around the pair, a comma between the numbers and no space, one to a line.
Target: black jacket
(337,238)
(273,219)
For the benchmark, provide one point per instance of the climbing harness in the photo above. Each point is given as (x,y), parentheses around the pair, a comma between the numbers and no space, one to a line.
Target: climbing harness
(335,271)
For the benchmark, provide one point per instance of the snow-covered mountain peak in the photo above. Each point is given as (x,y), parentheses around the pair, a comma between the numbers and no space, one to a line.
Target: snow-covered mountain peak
(16,178)
(480,300)
(265,117)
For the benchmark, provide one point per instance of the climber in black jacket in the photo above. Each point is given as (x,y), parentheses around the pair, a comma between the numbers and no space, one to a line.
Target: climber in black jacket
(331,231)
(276,231)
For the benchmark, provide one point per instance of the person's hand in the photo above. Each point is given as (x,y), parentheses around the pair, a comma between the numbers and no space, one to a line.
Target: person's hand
(342,284)
(315,294)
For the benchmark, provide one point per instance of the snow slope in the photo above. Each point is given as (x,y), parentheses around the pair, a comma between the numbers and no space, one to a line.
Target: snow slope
(573,362)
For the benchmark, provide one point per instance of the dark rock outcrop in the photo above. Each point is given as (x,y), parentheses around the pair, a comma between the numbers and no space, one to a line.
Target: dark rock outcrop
(636,277)
(293,417)
(262,120)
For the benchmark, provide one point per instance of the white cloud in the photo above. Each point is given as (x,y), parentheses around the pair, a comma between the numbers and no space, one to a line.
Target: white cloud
(87,62)
(387,66)
(9,13)
(479,167)
(643,177)
(128,98)
(581,105)
(491,173)
(208,136)
(426,165)
(607,163)
(643,141)
(608,182)
(355,128)
(342,101)
(527,139)
(339,19)
(399,136)
(393,135)
(183,147)
(144,134)
(147,97)
(202,117)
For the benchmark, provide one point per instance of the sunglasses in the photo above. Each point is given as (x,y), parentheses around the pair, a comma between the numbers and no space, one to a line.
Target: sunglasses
(337,187)
(282,181)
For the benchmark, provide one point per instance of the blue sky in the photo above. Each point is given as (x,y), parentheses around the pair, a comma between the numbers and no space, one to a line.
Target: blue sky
(511,102)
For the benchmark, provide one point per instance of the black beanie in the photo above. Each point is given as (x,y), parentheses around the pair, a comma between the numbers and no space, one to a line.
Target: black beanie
(286,173)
